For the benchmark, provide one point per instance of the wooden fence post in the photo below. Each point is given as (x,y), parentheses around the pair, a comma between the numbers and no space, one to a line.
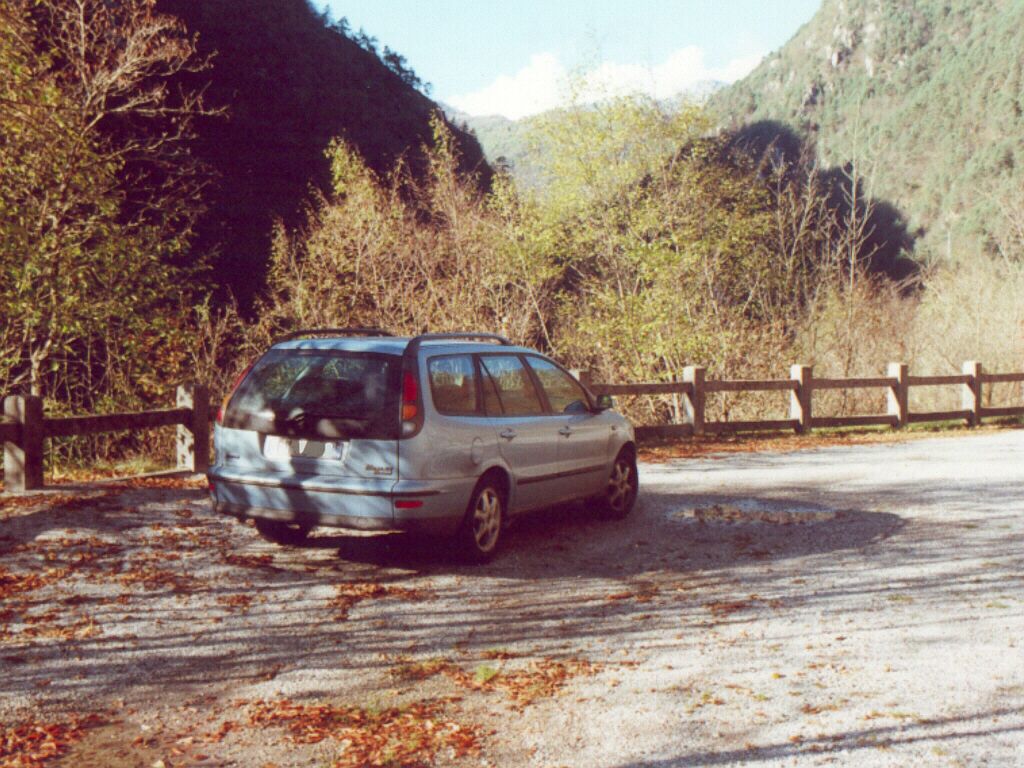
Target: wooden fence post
(899,394)
(23,460)
(800,398)
(693,401)
(193,443)
(971,397)
(586,378)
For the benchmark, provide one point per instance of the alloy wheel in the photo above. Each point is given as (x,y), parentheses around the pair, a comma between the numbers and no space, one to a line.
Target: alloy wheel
(621,485)
(487,520)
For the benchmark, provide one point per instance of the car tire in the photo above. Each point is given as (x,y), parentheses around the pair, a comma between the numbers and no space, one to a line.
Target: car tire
(623,486)
(482,527)
(280,532)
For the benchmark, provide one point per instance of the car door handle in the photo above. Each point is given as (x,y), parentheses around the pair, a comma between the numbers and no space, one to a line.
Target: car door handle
(565,431)
(508,434)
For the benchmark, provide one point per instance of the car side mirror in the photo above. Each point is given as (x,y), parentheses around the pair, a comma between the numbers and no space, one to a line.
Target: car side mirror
(605,402)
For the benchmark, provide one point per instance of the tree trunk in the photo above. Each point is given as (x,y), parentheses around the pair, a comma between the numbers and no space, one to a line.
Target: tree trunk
(35,375)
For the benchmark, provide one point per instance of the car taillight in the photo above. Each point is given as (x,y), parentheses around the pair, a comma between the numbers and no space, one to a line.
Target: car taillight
(231,393)
(410,397)
(412,406)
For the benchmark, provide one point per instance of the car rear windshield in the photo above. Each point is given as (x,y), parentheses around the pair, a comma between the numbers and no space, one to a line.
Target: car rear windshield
(315,393)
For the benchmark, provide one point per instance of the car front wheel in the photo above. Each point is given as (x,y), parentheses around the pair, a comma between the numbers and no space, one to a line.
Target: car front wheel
(622,487)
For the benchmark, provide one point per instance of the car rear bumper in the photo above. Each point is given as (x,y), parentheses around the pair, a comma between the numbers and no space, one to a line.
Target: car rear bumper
(374,504)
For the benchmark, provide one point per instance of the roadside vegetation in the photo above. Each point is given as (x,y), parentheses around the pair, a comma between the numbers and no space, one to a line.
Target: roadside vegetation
(653,242)
(635,259)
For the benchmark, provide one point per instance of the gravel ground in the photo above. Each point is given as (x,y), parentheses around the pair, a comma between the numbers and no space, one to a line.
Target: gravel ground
(852,605)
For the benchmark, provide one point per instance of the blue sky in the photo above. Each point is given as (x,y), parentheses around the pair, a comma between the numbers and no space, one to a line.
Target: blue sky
(515,57)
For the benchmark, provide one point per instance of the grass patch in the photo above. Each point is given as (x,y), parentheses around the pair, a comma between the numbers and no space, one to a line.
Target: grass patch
(106,470)
(484,673)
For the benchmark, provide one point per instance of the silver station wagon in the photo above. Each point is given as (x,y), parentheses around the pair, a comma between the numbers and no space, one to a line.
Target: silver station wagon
(446,434)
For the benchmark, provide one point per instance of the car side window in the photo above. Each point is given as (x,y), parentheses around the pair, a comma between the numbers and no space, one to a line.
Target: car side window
(453,384)
(564,393)
(514,386)
(492,403)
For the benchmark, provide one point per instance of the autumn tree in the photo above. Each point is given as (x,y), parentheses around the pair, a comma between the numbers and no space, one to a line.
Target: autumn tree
(682,246)
(663,235)
(98,191)
(411,253)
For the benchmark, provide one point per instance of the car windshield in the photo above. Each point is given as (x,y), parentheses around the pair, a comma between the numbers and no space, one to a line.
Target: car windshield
(314,393)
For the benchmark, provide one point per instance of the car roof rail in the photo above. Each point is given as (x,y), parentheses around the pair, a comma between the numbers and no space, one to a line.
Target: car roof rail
(358,331)
(416,342)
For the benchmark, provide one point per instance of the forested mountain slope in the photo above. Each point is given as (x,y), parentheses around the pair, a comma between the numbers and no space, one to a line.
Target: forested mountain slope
(926,96)
(507,142)
(290,82)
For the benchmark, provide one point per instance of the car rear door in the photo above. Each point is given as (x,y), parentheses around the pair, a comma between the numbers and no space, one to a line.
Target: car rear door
(527,437)
(315,412)
(460,435)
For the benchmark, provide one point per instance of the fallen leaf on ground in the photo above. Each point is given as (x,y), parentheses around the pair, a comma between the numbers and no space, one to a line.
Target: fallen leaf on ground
(349,595)
(250,561)
(31,745)
(539,679)
(411,735)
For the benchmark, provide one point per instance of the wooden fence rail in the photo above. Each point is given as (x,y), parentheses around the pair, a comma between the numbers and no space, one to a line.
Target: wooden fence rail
(24,428)
(802,384)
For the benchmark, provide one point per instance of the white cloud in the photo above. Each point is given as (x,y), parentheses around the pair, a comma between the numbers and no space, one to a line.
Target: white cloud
(537,87)
(544,83)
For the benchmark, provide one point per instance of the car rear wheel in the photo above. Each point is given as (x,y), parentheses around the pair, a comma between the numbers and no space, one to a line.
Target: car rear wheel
(623,485)
(480,535)
(281,532)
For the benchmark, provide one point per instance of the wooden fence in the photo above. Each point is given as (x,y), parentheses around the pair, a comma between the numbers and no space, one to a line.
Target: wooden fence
(801,386)
(23,427)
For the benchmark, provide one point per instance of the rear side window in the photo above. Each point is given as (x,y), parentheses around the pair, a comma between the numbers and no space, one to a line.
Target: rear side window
(564,393)
(307,393)
(515,389)
(453,384)
(492,403)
